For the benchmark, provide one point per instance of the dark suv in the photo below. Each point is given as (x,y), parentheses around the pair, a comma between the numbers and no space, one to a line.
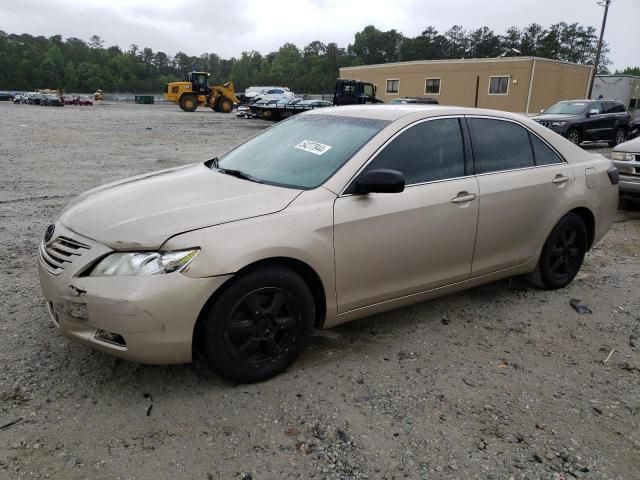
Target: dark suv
(580,120)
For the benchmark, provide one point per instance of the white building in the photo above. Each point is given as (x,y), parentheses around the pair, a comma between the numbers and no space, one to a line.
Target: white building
(625,88)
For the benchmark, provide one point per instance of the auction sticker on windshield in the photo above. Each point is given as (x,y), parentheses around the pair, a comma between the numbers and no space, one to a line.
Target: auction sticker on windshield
(312,147)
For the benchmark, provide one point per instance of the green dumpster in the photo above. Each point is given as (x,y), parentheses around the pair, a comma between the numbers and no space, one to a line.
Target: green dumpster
(144,99)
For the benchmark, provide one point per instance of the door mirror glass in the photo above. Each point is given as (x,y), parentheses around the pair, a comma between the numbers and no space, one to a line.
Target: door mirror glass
(594,111)
(381,180)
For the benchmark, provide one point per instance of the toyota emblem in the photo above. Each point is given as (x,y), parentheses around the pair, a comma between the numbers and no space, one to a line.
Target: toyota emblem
(49,233)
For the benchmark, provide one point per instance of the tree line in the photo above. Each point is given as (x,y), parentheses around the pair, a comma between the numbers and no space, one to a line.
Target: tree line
(29,62)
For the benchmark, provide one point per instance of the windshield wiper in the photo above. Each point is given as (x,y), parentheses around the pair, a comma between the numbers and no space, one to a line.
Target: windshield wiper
(213,163)
(239,174)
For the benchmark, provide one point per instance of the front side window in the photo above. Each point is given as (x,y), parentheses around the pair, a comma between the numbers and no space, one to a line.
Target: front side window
(432,86)
(498,85)
(393,86)
(302,152)
(499,145)
(597,106)
(368,90)
(429,151)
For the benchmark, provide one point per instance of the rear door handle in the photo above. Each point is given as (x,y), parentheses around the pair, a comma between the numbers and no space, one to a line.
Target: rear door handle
(560,179)
(464,197)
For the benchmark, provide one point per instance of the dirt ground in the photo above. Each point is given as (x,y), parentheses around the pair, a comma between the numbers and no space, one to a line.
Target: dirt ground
(501,381)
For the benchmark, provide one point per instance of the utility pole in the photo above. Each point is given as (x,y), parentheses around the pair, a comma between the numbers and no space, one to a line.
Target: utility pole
(605,4)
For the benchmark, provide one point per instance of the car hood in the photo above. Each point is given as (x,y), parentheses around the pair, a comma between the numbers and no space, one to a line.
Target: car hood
(632,146)
(144,211)
(555,117)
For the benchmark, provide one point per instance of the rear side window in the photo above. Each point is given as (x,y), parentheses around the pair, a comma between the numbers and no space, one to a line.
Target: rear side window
(543,155)
(499,145)
(619,108)
(426,152)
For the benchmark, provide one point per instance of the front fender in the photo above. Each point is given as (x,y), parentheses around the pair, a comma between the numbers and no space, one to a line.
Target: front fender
(303,231)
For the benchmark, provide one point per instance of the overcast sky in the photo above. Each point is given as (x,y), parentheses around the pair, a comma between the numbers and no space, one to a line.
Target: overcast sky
(230,27)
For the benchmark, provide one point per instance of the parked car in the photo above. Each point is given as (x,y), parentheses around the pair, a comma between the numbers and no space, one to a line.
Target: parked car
(593,120)
(5,96)
(18,98)
(255,110)
(273,94)
(245,110)
(634,129)
(70,100)
(289,101)
(626,158)
(331,215)
(51,100)
(35,98)
(85,101)
(253,94)
(411,100)
(316,103)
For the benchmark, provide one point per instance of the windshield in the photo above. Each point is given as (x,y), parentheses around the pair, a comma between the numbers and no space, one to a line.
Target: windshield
(302,152)
(567,108)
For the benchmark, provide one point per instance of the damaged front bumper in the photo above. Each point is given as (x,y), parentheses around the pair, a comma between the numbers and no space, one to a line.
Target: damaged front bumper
(147,319)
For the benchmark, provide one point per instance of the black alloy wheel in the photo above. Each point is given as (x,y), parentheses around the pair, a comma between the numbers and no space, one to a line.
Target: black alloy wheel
(562,254)
(258,325)
(574,137)
(261,327)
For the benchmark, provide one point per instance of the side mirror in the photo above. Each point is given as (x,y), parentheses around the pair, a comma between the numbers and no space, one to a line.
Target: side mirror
(593,111)
(381,180)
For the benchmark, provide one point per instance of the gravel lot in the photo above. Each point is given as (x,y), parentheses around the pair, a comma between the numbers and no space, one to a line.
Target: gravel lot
(502,381)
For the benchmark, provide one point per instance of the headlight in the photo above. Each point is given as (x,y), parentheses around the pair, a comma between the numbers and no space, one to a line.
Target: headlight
(143,263)
(558,124)
(622,156)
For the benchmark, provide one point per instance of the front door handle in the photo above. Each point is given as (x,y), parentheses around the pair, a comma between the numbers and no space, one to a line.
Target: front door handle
(560,179)
(464,197)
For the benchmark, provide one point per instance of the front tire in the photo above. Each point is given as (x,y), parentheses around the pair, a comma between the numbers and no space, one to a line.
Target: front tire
(574,136)
(189,103)
(225,105)
(259,325)
(562,254)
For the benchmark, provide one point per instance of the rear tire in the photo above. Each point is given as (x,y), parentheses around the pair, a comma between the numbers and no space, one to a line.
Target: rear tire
(225,105)
(188,103)
(619,136)
(562,254)
(574,136)
(259,325)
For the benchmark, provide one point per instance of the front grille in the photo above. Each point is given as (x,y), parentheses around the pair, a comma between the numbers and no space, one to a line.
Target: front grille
(61,252)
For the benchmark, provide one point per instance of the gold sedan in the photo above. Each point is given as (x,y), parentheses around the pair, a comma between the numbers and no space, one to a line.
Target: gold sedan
(332,215)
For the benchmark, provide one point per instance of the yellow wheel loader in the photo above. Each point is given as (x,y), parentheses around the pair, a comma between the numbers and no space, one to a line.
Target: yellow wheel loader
(196,91)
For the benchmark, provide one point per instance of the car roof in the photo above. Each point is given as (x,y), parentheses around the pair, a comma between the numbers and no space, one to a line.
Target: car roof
(392,112)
